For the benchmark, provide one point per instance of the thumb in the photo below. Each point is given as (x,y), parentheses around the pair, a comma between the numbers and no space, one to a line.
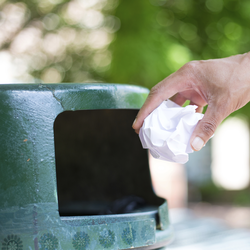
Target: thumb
(205,128)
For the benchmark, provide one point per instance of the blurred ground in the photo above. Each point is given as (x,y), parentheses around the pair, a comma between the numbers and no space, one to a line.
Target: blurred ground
(199,225)
(233,216)
(203,233)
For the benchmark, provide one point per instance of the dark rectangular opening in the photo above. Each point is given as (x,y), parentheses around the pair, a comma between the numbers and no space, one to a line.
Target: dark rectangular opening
(100,164)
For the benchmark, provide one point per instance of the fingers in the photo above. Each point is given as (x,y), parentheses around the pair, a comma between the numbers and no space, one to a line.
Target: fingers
(206,128)
(178,99)
(199,108)
(157,95)
(154,99)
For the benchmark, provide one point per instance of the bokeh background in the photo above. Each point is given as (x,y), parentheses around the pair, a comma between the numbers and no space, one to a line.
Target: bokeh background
(116,40)
(137,42)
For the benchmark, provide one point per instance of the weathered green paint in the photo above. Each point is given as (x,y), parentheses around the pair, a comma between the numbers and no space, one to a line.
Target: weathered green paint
(28,196)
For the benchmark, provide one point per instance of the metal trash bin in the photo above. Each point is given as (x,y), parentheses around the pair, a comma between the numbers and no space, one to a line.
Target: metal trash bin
(29,216)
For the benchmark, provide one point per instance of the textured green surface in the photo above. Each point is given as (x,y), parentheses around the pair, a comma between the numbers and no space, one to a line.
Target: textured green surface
(27,114)
(29,217)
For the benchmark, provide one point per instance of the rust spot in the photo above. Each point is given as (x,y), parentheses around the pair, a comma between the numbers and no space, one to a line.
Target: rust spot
(25,140)
(28,159)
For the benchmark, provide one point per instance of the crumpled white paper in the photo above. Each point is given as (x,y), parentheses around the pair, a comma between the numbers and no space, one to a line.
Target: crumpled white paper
(167,130)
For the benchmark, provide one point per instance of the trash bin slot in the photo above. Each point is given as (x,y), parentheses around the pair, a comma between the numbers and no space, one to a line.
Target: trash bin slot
(101,167)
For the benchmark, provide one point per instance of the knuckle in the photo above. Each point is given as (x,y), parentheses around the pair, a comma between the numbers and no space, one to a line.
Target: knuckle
(209,127)
(192,65)
(155,92)
(192,70)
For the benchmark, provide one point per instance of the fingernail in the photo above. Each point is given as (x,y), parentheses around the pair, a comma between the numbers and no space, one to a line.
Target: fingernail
(134,122)
(197,143)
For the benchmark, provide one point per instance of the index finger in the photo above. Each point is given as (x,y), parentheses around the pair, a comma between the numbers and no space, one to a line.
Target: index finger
(159,93)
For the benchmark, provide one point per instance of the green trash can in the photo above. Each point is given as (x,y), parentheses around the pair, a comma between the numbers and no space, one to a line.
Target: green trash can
(30,182)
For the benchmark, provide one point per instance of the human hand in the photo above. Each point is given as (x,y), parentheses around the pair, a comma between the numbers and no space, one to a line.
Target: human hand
(222,84)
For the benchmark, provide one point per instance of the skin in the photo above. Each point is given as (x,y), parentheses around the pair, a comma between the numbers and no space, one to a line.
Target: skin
(222,84)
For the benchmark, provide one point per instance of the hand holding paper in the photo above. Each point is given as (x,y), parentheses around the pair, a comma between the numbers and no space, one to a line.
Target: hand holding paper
(167,130)
(221,84)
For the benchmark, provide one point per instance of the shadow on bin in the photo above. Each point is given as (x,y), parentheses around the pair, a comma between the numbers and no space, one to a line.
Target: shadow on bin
(106,201)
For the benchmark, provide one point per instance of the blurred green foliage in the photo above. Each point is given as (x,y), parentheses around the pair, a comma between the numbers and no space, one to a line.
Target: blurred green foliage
(214,194)
(157,37)
(136,42)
